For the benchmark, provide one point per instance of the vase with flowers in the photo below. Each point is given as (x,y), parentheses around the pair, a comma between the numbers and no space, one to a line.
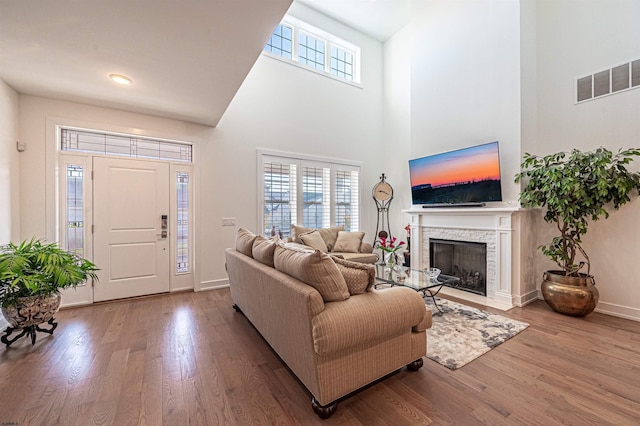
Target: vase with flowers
(389,247)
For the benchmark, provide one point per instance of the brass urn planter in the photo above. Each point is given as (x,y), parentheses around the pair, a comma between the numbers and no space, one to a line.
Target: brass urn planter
(575,296)
(573,189)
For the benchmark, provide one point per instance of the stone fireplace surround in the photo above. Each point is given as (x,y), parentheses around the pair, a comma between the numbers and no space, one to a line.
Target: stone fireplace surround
(510,248)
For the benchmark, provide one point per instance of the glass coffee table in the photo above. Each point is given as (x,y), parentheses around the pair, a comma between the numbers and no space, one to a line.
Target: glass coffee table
(415,279)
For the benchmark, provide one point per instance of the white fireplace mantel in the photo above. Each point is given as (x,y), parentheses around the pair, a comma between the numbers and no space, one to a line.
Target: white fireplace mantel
(510,247)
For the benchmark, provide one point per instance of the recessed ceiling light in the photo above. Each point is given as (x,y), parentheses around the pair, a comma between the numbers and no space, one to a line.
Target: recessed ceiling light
(120,79)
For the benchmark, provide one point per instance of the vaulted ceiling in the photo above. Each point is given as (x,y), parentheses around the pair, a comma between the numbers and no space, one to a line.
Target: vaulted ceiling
(187,58)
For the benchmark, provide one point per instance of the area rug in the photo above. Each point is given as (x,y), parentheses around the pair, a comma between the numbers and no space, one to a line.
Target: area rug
(460,333)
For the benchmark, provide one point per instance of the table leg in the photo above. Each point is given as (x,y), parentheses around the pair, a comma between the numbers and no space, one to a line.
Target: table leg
(432,295)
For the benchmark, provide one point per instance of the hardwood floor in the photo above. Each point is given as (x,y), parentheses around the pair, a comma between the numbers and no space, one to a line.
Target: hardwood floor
(189,358)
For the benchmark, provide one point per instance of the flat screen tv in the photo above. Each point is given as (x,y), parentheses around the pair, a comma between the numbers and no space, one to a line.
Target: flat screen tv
(464,177)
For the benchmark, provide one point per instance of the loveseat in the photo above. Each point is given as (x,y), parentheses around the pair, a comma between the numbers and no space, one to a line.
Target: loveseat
(334,241)
(323,318)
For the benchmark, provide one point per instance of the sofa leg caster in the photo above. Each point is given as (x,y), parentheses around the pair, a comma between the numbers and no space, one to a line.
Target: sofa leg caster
(236,308)
(324,412)
(415,365)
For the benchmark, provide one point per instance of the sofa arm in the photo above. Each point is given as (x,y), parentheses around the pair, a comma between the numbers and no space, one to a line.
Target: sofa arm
(425,324)
(370,317)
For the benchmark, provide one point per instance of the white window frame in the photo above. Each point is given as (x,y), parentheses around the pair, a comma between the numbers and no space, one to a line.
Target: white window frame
(301,160)
(329,40)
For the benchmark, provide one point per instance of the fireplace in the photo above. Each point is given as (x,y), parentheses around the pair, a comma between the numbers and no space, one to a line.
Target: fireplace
(510,277)
(465,260)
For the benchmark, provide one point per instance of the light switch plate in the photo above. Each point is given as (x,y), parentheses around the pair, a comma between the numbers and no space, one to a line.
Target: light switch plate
(228,221)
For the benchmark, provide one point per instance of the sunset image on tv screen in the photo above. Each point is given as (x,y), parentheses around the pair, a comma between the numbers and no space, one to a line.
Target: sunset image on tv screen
(465,175)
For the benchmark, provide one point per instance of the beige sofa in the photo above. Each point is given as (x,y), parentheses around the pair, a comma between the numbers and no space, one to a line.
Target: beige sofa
(334,241)
(323,318)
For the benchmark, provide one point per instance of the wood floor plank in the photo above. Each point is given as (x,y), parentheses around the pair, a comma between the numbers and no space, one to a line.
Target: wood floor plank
(189,358)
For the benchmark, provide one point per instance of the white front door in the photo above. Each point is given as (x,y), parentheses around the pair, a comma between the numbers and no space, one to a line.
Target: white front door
(131,245)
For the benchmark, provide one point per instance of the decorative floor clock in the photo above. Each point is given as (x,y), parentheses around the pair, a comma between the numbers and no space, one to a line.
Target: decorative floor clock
(382,195)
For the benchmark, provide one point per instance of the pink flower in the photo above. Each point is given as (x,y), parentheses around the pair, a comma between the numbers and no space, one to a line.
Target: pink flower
(389,245)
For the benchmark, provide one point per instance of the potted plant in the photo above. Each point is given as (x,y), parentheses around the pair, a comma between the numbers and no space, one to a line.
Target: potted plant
(31,277)
(575,187)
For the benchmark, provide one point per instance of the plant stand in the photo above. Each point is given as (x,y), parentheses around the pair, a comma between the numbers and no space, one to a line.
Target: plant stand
(27,331)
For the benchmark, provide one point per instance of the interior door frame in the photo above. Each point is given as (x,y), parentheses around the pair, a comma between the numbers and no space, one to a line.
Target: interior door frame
(83,295)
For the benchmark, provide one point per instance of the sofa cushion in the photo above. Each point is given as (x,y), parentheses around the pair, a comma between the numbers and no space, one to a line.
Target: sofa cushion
(244,241)
(348,242)
(329,235)
(359,277)
(314,240)
(315,268)
(263,249)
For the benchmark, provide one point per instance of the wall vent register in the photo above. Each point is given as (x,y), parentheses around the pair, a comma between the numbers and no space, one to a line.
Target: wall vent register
(613,80)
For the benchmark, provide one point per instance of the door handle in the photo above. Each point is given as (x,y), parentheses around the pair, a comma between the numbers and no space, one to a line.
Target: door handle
(163,226)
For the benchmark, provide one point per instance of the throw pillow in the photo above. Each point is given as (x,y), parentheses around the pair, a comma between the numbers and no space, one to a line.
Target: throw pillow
(244,241)
(329,235)
(348,242)
(263,249)
(296,231)
(359,277)
(316,269)
(314,240)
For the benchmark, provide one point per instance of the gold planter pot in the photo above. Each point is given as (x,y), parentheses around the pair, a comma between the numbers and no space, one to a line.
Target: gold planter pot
(575,296)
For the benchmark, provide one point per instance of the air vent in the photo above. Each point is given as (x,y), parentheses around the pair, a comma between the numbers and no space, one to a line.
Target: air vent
(585,88)
(601,83)
(613,80)
(620,78)
(635,73)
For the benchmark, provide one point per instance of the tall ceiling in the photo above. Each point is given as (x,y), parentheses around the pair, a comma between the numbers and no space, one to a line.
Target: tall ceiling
(187,58)
(379,19)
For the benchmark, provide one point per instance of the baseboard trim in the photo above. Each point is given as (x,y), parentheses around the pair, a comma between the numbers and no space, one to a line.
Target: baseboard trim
(620,311)
(526,298)
(214,284)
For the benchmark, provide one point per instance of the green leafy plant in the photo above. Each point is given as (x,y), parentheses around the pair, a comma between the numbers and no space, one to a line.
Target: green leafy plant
(576,187)
(36,268)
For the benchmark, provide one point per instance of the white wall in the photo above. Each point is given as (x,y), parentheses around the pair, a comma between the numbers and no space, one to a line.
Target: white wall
(9,165)
(9,169)
(397,125)
(287,108)
(465,76)
(576,38)
(279,107)
(38,118)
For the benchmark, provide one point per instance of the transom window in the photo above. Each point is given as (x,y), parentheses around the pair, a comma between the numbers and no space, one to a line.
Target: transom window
(299,42)
(124,145)
(307,192)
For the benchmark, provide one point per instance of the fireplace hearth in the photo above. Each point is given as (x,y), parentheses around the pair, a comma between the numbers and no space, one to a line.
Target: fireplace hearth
(465,260)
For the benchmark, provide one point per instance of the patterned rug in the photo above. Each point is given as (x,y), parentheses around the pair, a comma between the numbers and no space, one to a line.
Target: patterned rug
(461,333)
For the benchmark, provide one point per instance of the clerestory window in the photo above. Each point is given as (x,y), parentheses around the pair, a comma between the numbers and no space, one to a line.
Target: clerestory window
(297,42)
